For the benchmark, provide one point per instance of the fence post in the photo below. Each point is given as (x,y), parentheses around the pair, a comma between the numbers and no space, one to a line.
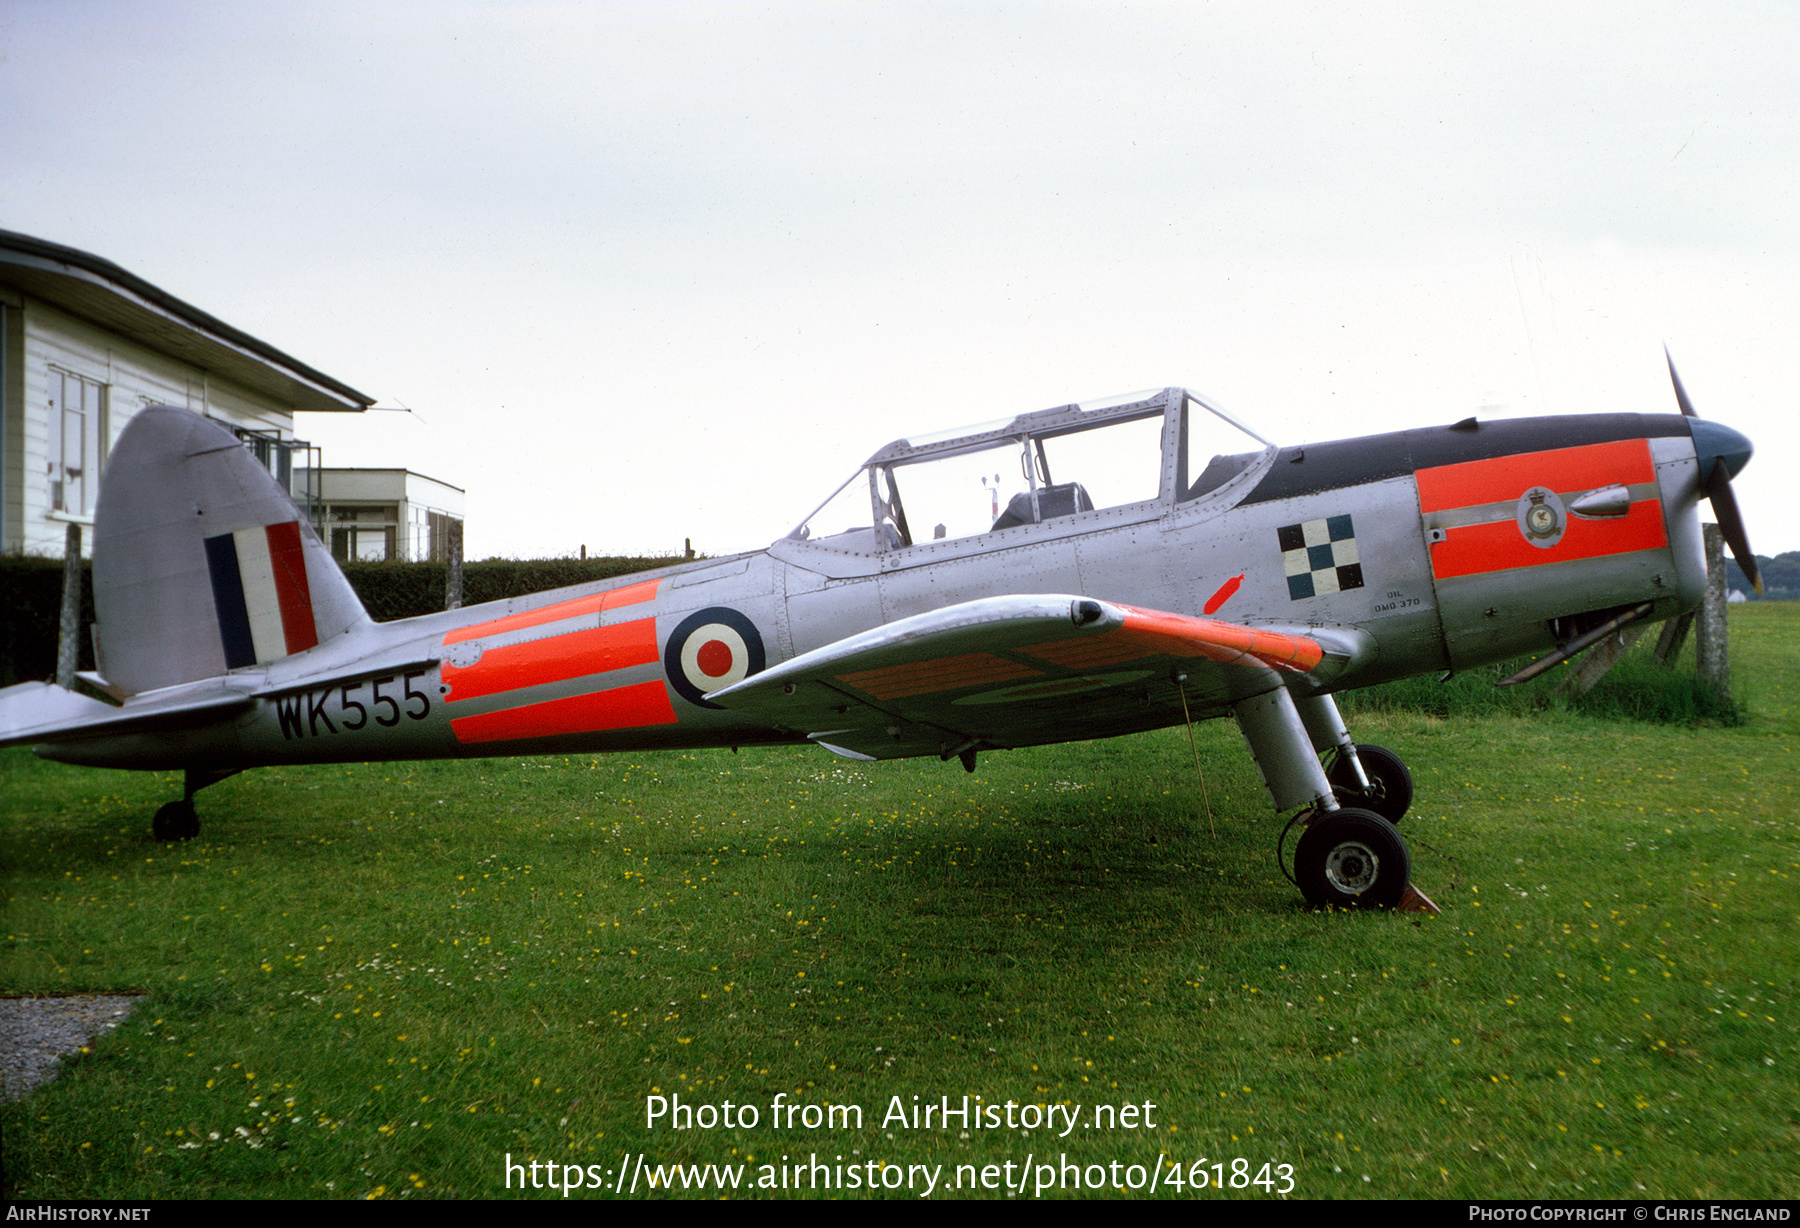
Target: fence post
(1674,635)
(453,593)
(1712,641)
(68,640)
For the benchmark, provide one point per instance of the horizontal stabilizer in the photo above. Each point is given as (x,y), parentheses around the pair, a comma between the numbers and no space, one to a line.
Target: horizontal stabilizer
(31,706)
(38,712)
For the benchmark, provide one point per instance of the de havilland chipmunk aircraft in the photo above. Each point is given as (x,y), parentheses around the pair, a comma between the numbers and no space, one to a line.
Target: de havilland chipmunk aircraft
(1080,572)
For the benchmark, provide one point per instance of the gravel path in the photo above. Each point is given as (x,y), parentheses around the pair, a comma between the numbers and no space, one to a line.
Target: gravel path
(36,1033)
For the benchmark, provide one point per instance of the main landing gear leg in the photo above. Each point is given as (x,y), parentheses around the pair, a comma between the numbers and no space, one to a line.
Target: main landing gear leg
(179,820)
(1366,777)
(1284,754)
(1348,857)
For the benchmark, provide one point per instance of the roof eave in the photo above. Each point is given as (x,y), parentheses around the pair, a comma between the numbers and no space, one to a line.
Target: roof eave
(68,279)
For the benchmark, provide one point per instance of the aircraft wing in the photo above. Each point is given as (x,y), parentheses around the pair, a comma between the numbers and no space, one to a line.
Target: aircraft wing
(42,712)
(1026,670)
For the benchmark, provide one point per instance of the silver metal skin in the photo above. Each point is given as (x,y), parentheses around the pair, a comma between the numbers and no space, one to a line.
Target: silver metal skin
(1284,754)
(1080,572)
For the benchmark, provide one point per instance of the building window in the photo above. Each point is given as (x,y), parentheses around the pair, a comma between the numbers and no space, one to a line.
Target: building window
(77,443)
(365,534)
(438,536)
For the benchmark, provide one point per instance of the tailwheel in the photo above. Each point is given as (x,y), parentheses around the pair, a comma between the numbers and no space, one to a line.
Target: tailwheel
(1390,790)
(1352,859)
(176,821)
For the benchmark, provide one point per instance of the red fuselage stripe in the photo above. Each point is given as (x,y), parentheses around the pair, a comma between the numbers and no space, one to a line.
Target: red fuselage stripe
(1499,545)
(626,707)
(575,655)
(1564,470)
(631,594)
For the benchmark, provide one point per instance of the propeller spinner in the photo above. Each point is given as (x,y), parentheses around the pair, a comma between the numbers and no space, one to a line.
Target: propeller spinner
(1722,452)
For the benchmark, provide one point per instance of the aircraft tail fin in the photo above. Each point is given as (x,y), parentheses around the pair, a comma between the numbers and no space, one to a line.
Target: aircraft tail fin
(202,563)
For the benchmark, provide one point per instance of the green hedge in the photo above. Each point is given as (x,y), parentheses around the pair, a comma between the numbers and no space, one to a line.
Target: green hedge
(30,613)
(31,597)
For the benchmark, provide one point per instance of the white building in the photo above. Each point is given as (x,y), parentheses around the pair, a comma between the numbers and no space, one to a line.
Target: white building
(84,345)
(366,514)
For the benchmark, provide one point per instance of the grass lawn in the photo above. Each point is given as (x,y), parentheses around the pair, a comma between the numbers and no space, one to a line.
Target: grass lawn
(383,980)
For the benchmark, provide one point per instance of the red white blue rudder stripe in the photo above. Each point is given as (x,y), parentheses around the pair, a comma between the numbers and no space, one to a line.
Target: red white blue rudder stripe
(261,593)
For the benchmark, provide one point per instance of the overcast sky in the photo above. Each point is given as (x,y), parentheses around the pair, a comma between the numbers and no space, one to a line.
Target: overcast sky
(654,271)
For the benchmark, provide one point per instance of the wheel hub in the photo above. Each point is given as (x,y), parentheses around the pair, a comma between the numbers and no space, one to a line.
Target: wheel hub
(1352,867)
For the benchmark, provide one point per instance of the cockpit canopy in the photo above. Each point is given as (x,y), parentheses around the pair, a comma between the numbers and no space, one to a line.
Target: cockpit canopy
(1141,449)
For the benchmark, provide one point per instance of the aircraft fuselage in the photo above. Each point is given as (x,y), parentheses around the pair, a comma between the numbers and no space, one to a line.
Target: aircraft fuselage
(1435,549)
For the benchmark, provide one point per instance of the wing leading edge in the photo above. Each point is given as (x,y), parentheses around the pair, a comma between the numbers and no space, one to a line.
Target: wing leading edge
(1025,670)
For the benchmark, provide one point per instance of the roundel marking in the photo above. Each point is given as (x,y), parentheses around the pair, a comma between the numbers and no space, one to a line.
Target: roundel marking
(710,650)
(716,656)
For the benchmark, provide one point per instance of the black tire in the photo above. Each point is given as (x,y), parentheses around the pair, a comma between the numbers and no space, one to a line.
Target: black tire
(1391,789)
(1352,859)
(176,821)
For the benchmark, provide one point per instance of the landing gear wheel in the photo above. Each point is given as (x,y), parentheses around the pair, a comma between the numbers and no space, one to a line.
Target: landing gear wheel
(176,821)
(1352,859)
(1391,789)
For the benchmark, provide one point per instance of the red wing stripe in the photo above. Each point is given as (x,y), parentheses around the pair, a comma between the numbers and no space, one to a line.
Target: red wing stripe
(1090,652)
(631,594)
(1180,636)
(575,655)
(1564,470)
(1499,546)
(1150,633)
(626,707)
(941,674)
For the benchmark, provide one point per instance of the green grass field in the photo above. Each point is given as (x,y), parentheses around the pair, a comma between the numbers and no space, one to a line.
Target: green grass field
(383,980)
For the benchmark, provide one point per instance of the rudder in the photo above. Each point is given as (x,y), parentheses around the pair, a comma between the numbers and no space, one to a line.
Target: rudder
(202,564)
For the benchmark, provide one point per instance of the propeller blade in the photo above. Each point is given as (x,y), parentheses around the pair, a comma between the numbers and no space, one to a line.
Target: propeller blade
(1731,523)
(1717,485)
(1681,396)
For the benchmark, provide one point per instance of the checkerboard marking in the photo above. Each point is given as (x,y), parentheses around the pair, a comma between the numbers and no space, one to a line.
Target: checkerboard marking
(1319,557)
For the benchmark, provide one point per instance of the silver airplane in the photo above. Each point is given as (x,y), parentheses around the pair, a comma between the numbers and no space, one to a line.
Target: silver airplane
(1080,572)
